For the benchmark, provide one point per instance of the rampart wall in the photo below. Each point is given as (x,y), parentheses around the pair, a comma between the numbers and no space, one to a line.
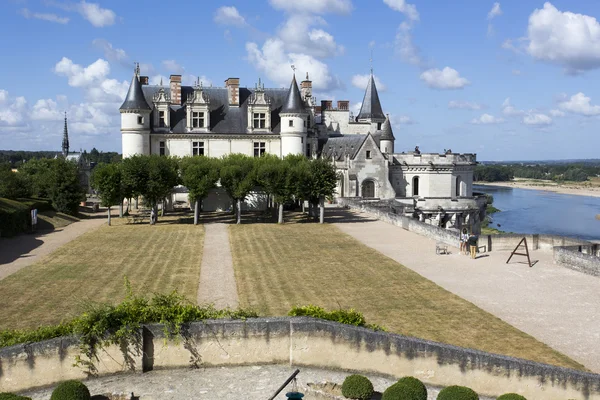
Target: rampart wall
(299,342)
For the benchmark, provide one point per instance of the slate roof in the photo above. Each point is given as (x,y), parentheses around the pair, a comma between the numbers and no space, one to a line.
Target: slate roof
(135,97)
(293,102)
(223,118)
(341,145)
(386,130)
(371,107)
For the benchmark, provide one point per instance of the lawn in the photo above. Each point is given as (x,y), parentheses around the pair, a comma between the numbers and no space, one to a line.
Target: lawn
(280,266)
(157,258)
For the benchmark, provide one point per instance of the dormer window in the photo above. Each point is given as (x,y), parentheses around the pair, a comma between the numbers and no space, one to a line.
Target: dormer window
(198,110)
(197,119)
(140,120)
(161,119)
(259,120)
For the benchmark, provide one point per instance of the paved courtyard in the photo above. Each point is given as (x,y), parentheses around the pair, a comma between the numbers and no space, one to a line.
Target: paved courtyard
(556,305)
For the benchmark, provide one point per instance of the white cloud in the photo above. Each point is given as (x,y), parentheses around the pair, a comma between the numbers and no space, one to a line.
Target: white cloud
(465,105)
(487,119)
(46,110)
(80,76)
(508,45)
(405,47)
(537,119)
(361,81)
(580,104)
(557,113)
(496,11)
(516,72)
(313,6)
(275,63)
(172,66)
(3,96)
(96,15)
(509,110)
(299,38)
(12,115)
(568,39)
(402,120)
(44,17)
(410,10)
(228,15)
(447,78)
(111,53)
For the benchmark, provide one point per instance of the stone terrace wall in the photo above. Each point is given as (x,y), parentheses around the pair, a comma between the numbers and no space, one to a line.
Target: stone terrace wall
(576,254)
(302,342)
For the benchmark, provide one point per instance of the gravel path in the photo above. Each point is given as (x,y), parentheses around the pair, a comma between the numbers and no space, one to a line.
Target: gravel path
(217,279)
(554,304)
(24,250)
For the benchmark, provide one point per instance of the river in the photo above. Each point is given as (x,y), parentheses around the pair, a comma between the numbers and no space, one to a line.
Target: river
(538,211)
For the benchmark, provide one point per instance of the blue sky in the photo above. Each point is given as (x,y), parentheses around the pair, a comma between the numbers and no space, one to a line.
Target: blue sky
(507,80)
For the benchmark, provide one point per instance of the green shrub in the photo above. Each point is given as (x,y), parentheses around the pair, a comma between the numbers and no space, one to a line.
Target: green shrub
(407,388)
(348,317)
(10,396)
(71,390)
(457,393)
(511,396)
(40,204)
(357,387)
(15,218)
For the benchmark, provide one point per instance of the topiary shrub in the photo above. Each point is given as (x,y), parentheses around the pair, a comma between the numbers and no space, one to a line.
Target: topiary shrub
(71,390)
(407,388)
(11,396)
(357,387)
(511,396)
(457,393)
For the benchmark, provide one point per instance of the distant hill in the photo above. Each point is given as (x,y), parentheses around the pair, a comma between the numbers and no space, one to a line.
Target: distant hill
(17,157)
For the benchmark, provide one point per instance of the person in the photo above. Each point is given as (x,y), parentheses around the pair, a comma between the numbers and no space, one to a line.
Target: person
(464,236)
(472,241)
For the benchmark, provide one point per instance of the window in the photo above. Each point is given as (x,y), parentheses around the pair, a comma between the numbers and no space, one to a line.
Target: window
(259,149)
(308,121)
(379,126)
(197,119)
(368,154)
(198,148)
(415,186)
(291,122)
(161,147)
(385,149)
(161,119)
(259,120)
(140,120)
(308,150)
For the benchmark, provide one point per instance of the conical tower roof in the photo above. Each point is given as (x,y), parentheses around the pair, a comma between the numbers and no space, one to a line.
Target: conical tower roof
(371,107)
(386,130)
(135,99)
(293,102)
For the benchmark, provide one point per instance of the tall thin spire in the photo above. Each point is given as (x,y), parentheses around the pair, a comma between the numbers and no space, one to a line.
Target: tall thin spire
(371,107)
(65,141)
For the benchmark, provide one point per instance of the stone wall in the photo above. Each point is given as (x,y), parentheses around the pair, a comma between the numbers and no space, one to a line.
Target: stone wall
(572,257)
(300,342)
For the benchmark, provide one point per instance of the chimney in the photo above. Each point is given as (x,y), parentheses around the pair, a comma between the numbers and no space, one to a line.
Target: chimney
(175,89)
(343,105)
(306,88)
(233,91)
(143,80)
(326,105)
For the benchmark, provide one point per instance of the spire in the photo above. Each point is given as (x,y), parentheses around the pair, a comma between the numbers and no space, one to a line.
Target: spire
(65,142)
(371,107)
(386,129)
(135,99)
(293,102)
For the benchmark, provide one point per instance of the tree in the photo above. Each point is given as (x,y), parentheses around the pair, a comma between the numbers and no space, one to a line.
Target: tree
(64,189)
(238,179)
(14,185)
(323,181)
(199,175)
(272,174)
(38,171)
(135,176)
(107,180)
(163,175)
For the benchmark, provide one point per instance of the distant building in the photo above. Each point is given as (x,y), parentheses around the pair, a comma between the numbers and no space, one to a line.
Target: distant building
(85,168)
(215,121)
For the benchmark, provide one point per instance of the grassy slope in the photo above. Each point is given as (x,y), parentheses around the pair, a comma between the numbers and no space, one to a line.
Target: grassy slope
(155,259)
(278,267)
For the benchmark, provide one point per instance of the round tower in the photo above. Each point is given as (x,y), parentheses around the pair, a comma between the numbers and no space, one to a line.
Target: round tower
(387,139)
(135,120)
(293,120)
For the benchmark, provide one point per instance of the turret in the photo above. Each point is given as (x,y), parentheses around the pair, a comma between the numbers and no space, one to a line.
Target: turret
(65,141)
(135,119)
(371,111)
(386,140)
(293,120)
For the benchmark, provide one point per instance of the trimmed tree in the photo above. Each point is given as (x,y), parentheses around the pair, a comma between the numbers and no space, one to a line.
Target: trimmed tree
(163,175)
(272,174)
(323,181)
(64,188)
(135,176)
(107,180)
(199,175)
(238,179)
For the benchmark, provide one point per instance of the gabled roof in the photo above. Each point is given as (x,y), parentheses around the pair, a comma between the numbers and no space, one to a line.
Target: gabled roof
(293,102)
(371,107)
(386,130)
(340,146)
(135,97)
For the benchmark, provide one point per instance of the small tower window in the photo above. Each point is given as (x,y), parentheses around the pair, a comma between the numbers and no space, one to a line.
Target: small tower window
(291,122)
(368,154)
(259,120)
(161,148)
(197,119)
(161,119)
(198,148)
(140,120)
(379,126)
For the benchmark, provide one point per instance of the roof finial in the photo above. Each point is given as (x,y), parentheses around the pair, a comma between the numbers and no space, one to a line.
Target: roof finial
(161,83)
(137,68)
(371,61)
(306,75)
(294,69)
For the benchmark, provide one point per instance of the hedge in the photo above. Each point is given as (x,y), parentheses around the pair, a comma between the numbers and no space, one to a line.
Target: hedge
(457,393)
(71,390)
(407,388)
(357,387)
(511,396)
(11,396)
(38,203)
(15,217)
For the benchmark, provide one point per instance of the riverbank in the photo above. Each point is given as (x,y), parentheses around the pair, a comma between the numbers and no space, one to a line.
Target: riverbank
(550,186)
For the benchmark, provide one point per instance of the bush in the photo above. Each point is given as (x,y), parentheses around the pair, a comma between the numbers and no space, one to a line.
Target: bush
(357,387)
(457,393)
(14,218)
(71,390)
(40,204)
(10,396)
(407,388)
(348,317)
(511,396)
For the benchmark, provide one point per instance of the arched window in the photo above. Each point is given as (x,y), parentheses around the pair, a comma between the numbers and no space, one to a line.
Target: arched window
(415,185)
(368,189)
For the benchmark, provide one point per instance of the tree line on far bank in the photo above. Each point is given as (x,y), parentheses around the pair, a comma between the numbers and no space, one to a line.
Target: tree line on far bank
(294,178)
(578,172)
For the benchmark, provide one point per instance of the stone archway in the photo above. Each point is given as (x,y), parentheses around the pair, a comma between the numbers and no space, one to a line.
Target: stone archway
(368,189)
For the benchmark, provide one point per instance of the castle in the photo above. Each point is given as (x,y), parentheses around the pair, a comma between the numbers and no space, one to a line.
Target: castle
(216,121)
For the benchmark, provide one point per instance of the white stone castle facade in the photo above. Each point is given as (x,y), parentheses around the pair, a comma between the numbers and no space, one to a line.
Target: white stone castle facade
(216,121)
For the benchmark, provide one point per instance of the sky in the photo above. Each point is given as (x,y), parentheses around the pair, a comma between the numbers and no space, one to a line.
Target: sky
(508,80)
